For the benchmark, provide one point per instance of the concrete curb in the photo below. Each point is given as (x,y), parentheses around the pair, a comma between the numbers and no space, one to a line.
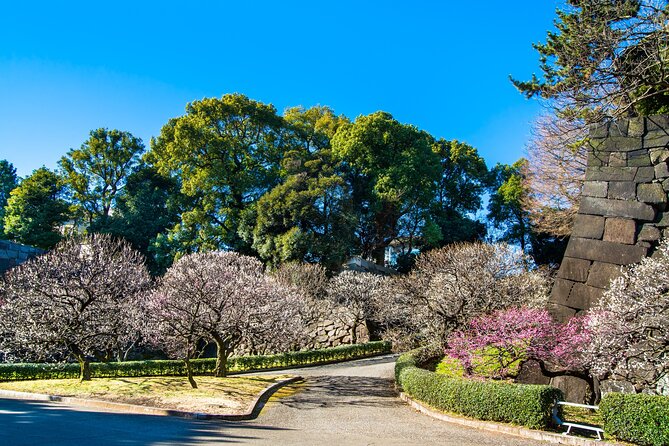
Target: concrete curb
(523,432)
(252,412)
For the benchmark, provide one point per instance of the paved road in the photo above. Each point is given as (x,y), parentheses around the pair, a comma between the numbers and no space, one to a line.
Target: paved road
(343,404)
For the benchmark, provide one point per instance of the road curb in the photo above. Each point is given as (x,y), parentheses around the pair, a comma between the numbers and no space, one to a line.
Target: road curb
(253,410)
(505,428)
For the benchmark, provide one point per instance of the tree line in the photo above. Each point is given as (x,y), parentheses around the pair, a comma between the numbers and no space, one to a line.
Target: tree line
(233,174)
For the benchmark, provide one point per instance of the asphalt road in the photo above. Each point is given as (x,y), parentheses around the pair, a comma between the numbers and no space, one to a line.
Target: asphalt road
(352,403)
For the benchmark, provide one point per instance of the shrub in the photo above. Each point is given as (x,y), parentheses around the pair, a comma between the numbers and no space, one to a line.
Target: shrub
(638,418)
(526,405)
(205,366)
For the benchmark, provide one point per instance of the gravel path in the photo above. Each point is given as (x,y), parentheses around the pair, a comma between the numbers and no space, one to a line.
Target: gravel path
(343,404)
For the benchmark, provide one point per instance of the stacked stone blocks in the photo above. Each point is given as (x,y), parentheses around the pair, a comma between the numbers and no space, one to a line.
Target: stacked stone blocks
(13,254)
(623,210)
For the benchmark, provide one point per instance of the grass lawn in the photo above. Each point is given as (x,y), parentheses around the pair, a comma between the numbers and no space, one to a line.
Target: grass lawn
(231,395)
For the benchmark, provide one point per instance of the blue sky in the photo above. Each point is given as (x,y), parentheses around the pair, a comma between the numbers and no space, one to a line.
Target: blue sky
(68,67)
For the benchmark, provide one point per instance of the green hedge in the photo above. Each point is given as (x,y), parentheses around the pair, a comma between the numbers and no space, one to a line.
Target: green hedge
(640,419)
(27,371)
(526,405)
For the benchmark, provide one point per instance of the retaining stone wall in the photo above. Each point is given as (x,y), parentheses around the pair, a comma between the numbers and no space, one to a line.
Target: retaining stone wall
(13,254)
(623,210)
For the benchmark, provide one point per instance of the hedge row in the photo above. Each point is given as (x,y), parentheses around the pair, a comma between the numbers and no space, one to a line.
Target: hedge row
(28,371)
(526,405)
(637,418)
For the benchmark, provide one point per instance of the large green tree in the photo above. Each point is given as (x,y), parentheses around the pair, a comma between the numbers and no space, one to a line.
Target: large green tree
(8,181)
(97,172)
(36,209)
(392,171)
(227,153)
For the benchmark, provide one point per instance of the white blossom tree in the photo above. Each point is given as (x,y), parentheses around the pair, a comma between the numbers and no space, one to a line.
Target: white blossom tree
(74,301)
(357,293)
(451,285)
(630,324)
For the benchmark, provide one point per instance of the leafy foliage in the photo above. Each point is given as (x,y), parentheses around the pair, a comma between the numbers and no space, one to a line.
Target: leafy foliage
(639,419)
(8,182)
(35,209)
(485,400)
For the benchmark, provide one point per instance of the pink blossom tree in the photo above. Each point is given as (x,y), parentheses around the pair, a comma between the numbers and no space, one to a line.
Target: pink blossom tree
(75,301)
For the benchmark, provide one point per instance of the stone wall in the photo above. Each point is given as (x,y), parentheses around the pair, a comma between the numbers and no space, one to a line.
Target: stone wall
(12,254)
(622,213)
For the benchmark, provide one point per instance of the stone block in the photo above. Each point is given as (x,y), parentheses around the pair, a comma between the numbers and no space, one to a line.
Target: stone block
(583,297)
(559,312)
(574,269)
(636,127)
(620,230)
(663,221)
(618,159)
(599,130)
(649,233)
(601,251)
(595,159)
(576,390)
(622,190)
(596,189)
(644,174)
(665,185)
(639,158)
(616,208)
(657,124)
(606,173)
(530,373)
(621,144)
(651,193)
(661,171)
(588,226)
(561,290)
(654,140)
(609,385)
(659,156)
(601,274)
(618,128)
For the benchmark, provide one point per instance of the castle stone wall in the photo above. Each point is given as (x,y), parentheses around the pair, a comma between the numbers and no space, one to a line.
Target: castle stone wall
(13,254)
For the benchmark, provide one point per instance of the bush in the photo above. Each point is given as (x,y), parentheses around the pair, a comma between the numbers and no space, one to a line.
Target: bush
(28,371)
(526,405)
(637,418)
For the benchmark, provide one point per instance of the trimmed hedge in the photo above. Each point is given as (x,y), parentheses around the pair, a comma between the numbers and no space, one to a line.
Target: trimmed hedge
(238,364)
(637,418)
(526,405)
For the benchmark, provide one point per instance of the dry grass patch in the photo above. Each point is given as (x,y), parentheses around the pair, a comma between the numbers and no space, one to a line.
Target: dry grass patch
(231,395)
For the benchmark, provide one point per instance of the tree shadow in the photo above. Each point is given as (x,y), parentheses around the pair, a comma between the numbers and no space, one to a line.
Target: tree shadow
(32,423)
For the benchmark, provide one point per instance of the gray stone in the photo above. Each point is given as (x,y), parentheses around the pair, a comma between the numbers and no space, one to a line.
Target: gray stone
(620,230)
(622,190)
(574,269)
(651,193)
(561,290)
(636,127)
(530,373)
(618,159)
(661,171)
(621,144)
(601,274)
(559,312)
(595,159)
(576,390)
(657,124)
(644,174)
(618,128)
(583,297)
(596,189)
(599,130)
(653,140)
(616,208)
(649,233)
(659,156)
(588,226)
(609,386)
(602,251)
(665,185)
(606,173)
(638,159)
(663,221)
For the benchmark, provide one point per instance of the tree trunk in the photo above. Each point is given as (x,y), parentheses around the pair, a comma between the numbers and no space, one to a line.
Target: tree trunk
(189,373)
(84,369)
(222,351)
(379,255)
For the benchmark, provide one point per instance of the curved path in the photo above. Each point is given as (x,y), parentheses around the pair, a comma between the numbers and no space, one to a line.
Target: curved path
(350,403)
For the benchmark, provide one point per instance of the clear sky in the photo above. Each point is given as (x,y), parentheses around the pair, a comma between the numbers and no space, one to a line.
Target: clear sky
(69,67)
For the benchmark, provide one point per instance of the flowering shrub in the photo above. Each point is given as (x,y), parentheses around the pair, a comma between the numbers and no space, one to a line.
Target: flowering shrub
(494,345)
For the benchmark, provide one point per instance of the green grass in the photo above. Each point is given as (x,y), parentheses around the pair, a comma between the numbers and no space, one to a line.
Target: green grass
(214,395)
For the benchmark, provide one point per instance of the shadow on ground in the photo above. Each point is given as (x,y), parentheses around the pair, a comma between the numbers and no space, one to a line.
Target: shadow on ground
(37,423)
